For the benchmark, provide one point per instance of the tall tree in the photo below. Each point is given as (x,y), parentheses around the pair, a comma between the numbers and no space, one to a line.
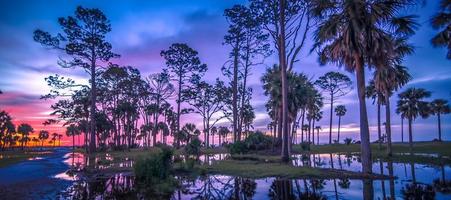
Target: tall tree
(377,96)
(208,101)
(411,105)
(184,64)
(161,89)
(84,40)
(336,85)
(24,130)
(355,34)
(288,23)
(440,107)
(72,130)
(387,80)
(7,129)
(340,111)
(442,21)
(249,46)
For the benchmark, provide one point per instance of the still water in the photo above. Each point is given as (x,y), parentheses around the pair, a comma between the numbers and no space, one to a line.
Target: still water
(413,180)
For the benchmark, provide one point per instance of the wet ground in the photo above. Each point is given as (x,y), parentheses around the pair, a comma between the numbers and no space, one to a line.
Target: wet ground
(45,178)
(35,178)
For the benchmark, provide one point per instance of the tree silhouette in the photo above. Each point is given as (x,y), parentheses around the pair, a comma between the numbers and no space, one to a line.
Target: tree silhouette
(83,39)
(442,21)
(336,85)
(43,135)
(184,64)
(340,111)
(346,36)
(439,107)
(207,101)
(249,46)
(24,130)
(411,105)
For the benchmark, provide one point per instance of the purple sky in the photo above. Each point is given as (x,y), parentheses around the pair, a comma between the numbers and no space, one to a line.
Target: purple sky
(141,29)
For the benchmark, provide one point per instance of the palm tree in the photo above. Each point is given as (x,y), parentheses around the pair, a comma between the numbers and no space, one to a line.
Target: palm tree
(213,132)
(387,80)
(411,105)
(372,93)
(54,138)
(340,111)
(317,133)
(43,135)
(72,130)
(439,107)
(223,132)
(355,34)
(442,20)
(35,140)
(24,130)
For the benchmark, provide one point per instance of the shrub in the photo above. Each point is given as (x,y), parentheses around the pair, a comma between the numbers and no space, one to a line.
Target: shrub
(154,169)
(305,146)
(193,147)
(348,141)
(258,141)
(238,147)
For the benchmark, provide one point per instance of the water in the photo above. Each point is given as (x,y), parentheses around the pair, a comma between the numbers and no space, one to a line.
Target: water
(409,175)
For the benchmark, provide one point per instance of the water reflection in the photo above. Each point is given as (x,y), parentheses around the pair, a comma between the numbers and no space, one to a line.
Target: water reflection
(411,179)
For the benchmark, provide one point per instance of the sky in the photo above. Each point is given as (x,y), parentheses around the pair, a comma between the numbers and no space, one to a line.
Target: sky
(141,29)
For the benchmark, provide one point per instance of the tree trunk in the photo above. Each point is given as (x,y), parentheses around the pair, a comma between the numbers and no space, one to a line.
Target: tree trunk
(402,129)
(439,128)
(339,124)
(364,130)
(92,142)
(330,119)
(179,98)
(236,136)
(285,134)
(379,125)
(392,180)
(388,124)
(410,136)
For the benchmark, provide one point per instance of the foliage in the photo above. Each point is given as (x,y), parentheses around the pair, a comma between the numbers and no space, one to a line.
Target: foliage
(305,146)
(154,169)
(193,147)
(442,21)
(348,141)
(238,147)
(258,141)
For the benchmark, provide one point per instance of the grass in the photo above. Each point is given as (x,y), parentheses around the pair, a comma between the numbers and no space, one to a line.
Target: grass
(257,169)
(440,148)
(13,157)
(268,164)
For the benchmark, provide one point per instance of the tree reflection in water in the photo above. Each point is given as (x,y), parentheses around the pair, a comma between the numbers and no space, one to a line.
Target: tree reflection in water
(282,189)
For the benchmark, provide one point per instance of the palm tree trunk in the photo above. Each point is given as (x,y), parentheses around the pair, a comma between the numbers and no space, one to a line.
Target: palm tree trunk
(379,125)
(410,136)
(364,130)
(439,128)
(388,124)
(73,142)
(339,124)
(302,125)
(313,132)
(402,129)
(392,180)
(330,119)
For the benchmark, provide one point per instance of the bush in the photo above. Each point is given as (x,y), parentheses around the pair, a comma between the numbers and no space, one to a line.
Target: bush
(258,141)
(238,147)
(348,141)
(154,169)
(193,147)
(305,146)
